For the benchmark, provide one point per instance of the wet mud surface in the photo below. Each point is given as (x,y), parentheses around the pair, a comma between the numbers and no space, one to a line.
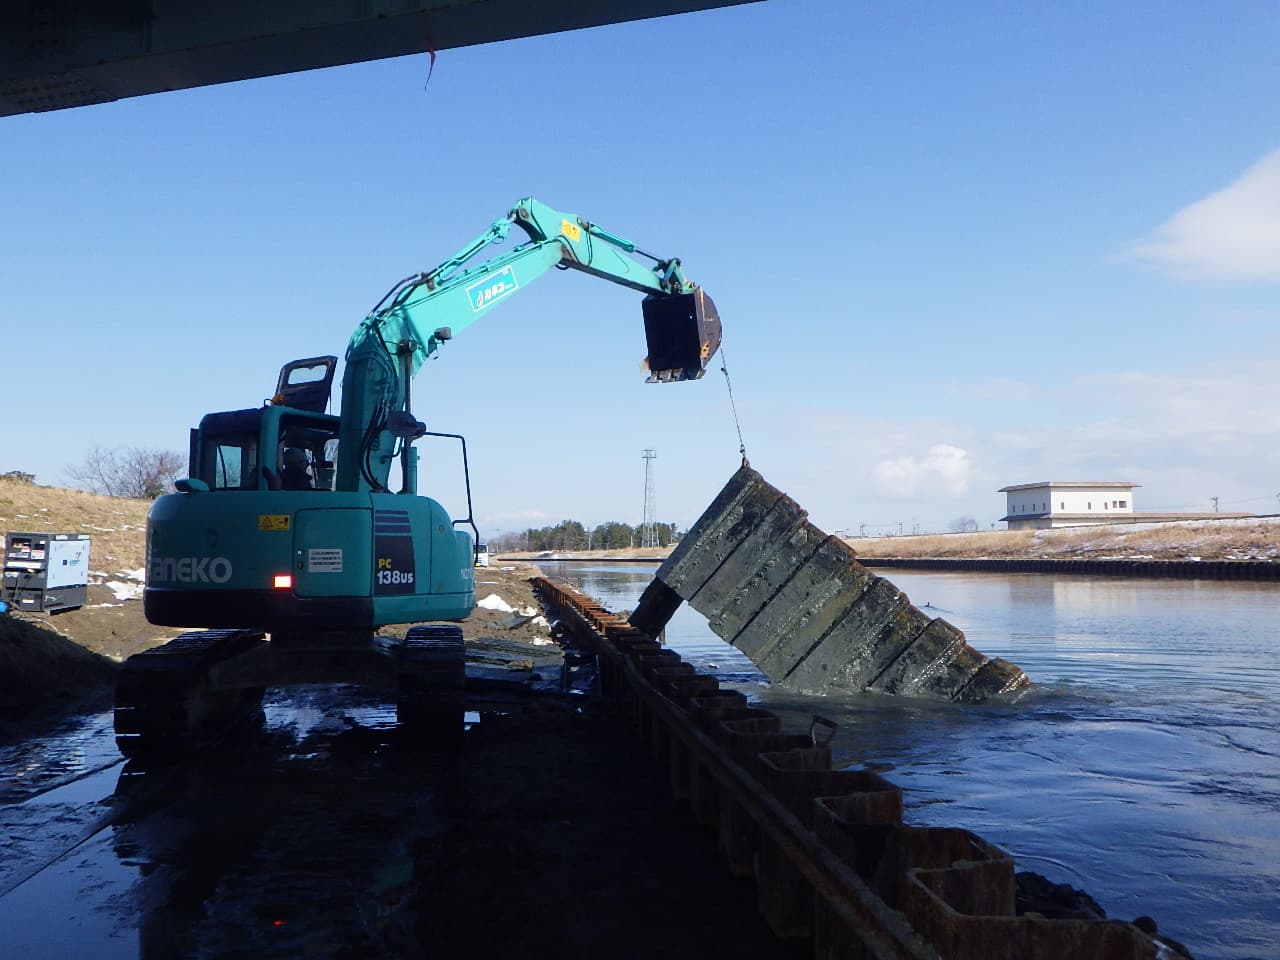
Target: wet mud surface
(322,834)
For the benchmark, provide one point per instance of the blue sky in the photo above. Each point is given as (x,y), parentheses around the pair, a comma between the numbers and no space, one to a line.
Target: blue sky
(953,248)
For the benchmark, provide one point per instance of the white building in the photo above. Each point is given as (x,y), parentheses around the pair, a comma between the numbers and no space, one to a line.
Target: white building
(1068,503)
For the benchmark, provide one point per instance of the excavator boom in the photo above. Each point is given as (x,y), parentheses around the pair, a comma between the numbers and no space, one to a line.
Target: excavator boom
(682,326)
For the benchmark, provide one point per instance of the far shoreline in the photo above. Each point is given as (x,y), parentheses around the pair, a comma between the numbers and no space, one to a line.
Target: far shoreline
(1243,548)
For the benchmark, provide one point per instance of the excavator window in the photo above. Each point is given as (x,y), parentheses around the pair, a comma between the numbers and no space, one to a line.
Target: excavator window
(308,452)
(232,463)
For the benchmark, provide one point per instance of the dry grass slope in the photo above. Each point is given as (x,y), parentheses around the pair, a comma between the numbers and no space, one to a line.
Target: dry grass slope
(1253,539)
(118,526)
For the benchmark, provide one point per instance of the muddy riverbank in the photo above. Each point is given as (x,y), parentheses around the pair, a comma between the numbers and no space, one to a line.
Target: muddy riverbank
(52,665)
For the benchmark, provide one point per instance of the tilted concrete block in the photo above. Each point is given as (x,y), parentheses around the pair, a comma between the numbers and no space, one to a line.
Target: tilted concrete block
(657,606)
(750,576)
(934,664)
(819,596)
(996,678)
(847,654)
(897,635)
(736,511)
(806,613)
(772,568)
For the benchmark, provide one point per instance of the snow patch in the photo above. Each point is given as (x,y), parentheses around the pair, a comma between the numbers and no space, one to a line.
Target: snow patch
(124,591)
(495,602)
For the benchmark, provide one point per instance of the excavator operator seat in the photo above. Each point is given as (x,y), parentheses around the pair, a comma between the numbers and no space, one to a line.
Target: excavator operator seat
(295,471)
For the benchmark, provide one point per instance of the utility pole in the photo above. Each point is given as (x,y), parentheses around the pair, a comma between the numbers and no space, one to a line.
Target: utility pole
(1215,504)
(648,536)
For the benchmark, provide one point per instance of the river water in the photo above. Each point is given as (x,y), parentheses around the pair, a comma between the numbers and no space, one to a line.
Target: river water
(1145,769)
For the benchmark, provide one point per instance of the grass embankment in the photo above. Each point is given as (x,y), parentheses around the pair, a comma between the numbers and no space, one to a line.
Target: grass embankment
(1246,539)
(1251,539)
(43,671)
(118,526)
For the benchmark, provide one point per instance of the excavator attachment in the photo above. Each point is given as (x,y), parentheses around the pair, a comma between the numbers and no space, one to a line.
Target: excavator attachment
(683,333)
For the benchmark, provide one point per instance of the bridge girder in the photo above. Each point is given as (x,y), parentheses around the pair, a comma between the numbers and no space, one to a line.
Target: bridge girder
(56,54)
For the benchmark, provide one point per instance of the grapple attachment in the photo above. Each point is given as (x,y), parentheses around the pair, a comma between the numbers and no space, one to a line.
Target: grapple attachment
(683,333)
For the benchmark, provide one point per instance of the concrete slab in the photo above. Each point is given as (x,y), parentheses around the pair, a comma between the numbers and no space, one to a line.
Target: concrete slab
(762,574)
(938,662)
(806,613)
(813,601)
(996,678)
(735,512)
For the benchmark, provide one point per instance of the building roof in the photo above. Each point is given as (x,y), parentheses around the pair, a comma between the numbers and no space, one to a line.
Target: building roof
(1072,485)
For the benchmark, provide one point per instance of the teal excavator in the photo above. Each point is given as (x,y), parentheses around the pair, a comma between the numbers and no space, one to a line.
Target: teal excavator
(287,525)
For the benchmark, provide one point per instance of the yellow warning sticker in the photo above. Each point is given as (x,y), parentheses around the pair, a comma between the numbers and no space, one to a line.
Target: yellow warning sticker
(571,230)
(273,521)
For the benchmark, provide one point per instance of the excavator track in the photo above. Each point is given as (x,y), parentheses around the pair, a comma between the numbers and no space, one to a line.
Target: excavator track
(430,694)
(165,705)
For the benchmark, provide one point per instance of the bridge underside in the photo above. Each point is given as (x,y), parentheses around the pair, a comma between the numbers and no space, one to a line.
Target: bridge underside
(56,54)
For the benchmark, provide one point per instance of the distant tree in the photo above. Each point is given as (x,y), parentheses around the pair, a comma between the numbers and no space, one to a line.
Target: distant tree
(667,533)
(572,535)
(964,525)
(19,475)
(129,472)
(613,535)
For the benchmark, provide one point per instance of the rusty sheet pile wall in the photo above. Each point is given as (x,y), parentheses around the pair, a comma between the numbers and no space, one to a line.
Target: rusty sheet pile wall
(828,849)
(804,610)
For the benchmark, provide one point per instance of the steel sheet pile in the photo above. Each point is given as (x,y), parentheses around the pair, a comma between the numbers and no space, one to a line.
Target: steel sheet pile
(830,855)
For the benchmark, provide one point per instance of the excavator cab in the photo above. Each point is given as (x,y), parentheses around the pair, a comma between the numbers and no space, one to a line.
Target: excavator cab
(683,334)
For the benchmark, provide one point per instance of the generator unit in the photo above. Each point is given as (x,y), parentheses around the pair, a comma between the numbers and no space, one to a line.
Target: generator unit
(45,572)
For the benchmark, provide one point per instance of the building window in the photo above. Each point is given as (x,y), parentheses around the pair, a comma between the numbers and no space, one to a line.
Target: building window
(1090,505)
(1123,504)
(1062,504)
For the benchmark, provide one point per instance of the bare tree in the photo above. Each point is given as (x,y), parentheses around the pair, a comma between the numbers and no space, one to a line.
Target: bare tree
(964,525)
(130,472)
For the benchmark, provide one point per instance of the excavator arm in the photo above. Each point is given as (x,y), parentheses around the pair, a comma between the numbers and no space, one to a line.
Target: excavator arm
(408,325)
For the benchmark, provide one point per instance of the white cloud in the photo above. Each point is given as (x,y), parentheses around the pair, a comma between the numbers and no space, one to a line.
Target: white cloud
(1233,234)
(944,471)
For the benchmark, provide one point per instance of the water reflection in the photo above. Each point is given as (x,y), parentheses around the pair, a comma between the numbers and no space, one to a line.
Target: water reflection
(293,841)
(1146,768)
